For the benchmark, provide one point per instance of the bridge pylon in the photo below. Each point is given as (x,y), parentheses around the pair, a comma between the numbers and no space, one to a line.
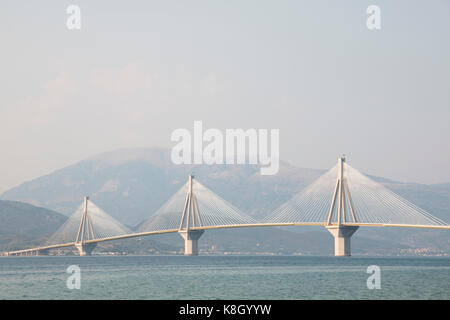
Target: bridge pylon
(85,232)
(191,219)
(342,204)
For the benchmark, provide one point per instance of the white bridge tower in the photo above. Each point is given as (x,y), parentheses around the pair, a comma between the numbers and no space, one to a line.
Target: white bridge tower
(342,203)
(191,219)
(85,232)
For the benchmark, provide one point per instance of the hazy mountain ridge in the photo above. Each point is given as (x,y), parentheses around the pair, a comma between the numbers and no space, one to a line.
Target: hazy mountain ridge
(131,184)
(25,224)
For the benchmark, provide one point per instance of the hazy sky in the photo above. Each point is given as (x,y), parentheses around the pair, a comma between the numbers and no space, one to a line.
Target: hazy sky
(137,70)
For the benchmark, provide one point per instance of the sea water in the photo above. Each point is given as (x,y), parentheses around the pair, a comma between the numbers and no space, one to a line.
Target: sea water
(224,277)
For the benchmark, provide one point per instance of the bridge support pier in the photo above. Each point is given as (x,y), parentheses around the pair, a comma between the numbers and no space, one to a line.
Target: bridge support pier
(191,241)
(342,235)
(85,249)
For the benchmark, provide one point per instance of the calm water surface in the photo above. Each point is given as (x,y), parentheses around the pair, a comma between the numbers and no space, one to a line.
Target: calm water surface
(224,277)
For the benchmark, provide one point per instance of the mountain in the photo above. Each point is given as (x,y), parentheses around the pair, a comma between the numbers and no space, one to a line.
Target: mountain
(22,224)
(131,184)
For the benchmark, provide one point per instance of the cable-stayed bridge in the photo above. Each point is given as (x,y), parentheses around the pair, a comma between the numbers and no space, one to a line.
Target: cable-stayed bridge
(342,200)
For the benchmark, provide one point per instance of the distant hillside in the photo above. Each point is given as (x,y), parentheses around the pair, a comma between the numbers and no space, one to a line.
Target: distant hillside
(131,184)
(24,224)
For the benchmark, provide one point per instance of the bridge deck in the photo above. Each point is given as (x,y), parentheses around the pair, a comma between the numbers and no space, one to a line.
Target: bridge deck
(143,234)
